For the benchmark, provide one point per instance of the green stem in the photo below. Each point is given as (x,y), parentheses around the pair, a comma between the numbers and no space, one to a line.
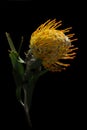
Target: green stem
(26,107)
(29,80)
(28,92)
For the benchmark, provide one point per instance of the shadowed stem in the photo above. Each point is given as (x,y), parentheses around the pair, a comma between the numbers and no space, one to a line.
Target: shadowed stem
(32,73)
(27,103)
(26,108)
(30,77)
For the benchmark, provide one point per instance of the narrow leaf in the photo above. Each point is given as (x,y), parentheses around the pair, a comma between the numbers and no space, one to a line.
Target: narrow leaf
(18,69)
(10,42)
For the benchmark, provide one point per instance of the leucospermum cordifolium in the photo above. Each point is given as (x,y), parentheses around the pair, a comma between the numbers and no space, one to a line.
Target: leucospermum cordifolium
(50,47)
(53,46)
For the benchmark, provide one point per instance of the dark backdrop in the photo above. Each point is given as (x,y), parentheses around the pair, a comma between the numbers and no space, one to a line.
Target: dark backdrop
(57,96)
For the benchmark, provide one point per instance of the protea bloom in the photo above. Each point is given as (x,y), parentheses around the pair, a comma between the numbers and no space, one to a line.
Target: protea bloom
(52,46)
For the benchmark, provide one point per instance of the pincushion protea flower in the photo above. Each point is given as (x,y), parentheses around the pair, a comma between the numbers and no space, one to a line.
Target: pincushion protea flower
(52,46)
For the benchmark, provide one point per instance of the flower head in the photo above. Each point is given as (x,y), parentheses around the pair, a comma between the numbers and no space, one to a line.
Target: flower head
(52,45)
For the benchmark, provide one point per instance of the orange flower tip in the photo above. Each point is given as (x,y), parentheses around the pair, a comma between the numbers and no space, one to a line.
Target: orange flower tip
(73,49)
(71,34)
(71,54)
(66,65)
(66,30)
(64,68)
(62,64)
(72,46)
(73,40)
(76,48)
(68,57)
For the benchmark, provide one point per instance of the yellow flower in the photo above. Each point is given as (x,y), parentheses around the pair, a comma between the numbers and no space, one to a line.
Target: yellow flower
(52,46)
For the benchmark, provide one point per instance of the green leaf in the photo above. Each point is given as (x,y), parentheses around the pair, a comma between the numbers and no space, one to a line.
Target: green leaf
(12,47)
(13,56)
(18,68)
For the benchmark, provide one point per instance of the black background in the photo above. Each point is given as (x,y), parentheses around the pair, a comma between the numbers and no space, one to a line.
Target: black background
(57,96)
